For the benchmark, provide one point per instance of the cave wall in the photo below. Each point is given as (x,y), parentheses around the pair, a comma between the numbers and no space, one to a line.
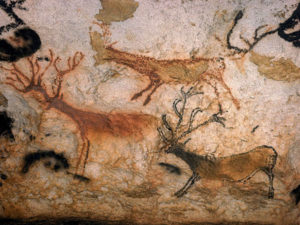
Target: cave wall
(109,107)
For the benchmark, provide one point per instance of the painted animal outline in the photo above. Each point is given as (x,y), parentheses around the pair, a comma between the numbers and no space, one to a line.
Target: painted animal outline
(89,124)
(196,70)
(238,167)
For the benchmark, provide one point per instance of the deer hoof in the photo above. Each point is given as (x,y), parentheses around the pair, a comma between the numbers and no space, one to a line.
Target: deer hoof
(271,195)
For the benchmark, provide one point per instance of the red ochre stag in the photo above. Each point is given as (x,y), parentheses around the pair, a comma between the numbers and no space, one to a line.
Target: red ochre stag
(91,125)
(197,70)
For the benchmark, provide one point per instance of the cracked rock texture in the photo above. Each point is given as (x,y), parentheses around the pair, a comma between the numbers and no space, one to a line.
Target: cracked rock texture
(87,118)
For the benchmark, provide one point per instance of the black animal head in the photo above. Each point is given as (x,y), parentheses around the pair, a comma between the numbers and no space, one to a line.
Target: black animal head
(24,43)
(30,41)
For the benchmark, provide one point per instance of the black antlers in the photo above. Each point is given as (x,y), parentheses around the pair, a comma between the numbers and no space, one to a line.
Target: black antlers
(171,135)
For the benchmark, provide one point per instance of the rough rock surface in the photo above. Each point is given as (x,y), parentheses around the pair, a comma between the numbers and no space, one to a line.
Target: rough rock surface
(89,116)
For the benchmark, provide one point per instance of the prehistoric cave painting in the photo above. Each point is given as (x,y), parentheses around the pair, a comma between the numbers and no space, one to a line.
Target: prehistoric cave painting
(239,167)
(284,30)
(256,38)
(24,41)
(281,69)
(59,160)
(91,125)
(197,70)
(51,160)
(296,194)
(171,168)
(159,72)
(3,177)
(6,124)
(116,10)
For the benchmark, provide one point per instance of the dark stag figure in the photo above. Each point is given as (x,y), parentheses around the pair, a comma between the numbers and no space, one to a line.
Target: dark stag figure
(23,41)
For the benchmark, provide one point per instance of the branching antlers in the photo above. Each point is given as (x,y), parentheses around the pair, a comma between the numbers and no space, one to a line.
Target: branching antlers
(257,37)
(34,82)
(176,134)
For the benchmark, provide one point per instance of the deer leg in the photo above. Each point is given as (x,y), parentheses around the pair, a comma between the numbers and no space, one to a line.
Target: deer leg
(84,148)
(139,94)
(148,99)
(154,81)
(270,175)
(188,185)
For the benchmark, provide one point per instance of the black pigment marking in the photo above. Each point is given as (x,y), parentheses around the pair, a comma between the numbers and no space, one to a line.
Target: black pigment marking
(43,59)
(47,164)
(25,41)
(290,23)
(6,125)
(256,36)
(8,9)
(48,134)
(3,176)
(31,137)
(296,194)
(81,178)
(171,168)
(29,43)
(254,129)
(56,167)
(31,158)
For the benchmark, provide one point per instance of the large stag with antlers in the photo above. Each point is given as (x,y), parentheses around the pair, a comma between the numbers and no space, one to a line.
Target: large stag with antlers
(91,125)
(239,167)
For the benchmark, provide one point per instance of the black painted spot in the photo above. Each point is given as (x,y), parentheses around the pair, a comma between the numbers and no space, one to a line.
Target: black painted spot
(3,176)
(296,194)
(6,125)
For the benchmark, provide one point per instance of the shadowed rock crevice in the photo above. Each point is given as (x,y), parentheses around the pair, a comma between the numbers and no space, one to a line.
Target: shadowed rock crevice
(6,124)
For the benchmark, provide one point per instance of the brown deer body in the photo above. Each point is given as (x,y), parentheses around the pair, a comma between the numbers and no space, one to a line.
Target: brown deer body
(159,72)
(92,126)
(239,167)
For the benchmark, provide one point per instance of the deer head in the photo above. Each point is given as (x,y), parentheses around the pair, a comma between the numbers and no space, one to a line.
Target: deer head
(172,135)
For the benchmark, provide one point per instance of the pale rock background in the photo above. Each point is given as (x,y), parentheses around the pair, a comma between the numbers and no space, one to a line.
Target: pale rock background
(126,182)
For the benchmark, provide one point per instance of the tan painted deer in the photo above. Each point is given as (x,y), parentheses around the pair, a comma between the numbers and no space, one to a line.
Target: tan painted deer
(195,70)
(92,126)
(159,72)
(239,167)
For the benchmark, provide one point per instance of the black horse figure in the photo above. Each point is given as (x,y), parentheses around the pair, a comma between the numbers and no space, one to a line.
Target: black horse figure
(24,41)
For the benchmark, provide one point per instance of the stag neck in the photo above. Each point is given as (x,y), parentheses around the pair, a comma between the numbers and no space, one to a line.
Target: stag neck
(190,158)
